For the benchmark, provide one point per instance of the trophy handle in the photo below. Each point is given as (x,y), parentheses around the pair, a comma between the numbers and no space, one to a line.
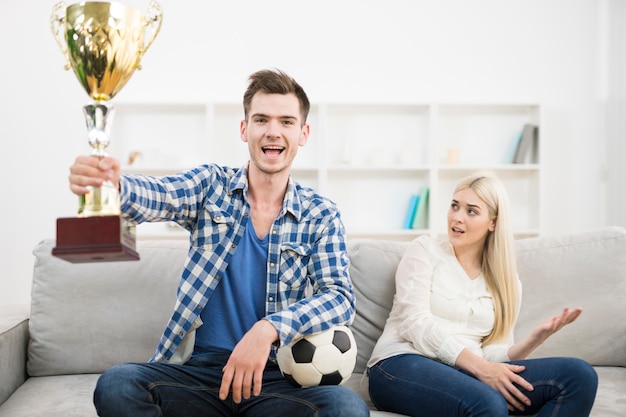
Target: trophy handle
(153,21)
(57,24)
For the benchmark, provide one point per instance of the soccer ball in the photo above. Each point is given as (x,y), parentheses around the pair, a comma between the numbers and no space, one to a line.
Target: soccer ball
(325,358)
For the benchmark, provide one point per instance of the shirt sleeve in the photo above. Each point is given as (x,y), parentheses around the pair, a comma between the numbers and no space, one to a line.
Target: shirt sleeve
(413,305)
(498,352)
(172,198)
(146,198)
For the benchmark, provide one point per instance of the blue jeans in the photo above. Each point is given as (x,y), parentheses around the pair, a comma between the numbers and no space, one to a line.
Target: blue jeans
(190,390)
(420,387)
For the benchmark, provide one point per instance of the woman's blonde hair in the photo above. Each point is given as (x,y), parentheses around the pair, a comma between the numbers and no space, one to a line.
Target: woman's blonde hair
(499,266)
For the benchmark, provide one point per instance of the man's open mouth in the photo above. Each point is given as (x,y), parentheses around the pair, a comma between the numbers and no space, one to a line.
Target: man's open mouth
(273,150)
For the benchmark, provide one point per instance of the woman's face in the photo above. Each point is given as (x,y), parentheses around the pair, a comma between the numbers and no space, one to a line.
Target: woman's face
(468,219)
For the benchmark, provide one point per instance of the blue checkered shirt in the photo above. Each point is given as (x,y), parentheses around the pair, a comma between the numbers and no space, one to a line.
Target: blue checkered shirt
(308,286)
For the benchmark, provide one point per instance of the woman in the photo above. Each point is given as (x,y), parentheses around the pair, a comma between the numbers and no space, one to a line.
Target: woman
(447,348)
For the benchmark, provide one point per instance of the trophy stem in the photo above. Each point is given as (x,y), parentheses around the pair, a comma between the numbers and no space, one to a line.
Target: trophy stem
(103,200)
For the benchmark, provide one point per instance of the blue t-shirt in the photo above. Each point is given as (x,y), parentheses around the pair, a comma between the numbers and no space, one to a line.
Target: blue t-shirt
(239,298)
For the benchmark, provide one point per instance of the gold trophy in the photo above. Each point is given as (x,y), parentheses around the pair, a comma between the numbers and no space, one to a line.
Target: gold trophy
(103,43)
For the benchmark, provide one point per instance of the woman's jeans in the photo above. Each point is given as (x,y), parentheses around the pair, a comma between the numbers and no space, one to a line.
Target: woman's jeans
(192,389)
(420,387)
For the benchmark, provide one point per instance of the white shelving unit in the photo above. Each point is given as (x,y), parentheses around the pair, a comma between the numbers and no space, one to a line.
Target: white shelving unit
(368,158)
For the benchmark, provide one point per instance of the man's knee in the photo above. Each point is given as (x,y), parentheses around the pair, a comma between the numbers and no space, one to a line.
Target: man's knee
(350,403)
(114,378)
(113,386)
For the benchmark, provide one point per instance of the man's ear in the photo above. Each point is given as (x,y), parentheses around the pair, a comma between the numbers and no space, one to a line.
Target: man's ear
(243,127)
(304,135)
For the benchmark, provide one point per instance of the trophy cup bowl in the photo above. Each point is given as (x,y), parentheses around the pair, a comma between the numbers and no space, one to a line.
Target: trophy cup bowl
(103,43)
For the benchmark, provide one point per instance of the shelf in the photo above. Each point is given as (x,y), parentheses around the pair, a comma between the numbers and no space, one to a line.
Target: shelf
(377,168)
(499,167)
(150,132)
(481,134)
(377,135)
(400,235)
(368,158)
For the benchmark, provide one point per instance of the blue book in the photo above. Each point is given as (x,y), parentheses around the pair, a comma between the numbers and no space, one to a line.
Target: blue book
(510,153)
(410,212)
(420,221)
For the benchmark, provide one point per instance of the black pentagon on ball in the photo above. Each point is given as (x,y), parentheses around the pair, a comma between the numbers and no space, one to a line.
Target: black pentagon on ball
(342,341)
(303,351)
(292,381)
(331,379)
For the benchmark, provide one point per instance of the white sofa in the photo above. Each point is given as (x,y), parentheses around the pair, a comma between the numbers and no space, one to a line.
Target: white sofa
(86,317)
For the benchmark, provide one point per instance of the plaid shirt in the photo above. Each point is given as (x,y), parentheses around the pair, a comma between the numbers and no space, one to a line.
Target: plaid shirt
(308,287)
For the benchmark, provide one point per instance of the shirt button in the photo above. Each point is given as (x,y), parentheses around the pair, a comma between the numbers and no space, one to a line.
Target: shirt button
(270,298)
(199,308)
(274,232)
(218,218)
(272,264)
(233,246)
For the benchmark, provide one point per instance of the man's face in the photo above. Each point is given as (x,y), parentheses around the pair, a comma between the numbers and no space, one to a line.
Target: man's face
(274,130)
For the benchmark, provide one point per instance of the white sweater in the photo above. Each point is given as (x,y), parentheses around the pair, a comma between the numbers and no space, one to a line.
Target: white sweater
(437,309)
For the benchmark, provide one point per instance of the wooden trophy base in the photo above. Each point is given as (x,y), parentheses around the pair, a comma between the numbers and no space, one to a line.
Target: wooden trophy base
(95,239)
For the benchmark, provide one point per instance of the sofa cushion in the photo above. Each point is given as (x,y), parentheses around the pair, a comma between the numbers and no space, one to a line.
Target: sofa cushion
(88,317)
(13,341)
(586,270)
(63,395)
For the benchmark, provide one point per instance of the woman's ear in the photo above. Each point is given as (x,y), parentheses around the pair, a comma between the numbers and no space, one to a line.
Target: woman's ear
(492,226)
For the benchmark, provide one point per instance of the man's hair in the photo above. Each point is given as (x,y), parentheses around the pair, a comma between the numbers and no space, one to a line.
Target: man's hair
(275,82)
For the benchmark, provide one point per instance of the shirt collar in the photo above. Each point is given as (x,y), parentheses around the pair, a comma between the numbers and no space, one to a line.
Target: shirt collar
(291,202)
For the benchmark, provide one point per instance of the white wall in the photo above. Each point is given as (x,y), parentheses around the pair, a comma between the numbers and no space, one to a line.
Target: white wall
(339,50)
(614,95)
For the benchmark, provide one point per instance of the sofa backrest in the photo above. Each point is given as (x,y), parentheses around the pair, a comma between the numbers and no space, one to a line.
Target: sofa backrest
(586,269)
(88,317)
(372,270)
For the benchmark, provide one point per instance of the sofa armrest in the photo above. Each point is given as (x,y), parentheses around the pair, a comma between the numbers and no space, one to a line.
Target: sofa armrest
(13,348)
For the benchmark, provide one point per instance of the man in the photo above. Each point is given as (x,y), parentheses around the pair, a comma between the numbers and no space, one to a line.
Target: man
(267,264)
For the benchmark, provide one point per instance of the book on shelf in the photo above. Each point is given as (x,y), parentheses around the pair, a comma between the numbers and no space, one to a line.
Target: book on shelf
(420,219)
(410,212)
(512,149)
(527,144)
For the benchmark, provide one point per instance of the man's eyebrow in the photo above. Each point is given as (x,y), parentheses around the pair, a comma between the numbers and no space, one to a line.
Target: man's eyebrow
(280,117)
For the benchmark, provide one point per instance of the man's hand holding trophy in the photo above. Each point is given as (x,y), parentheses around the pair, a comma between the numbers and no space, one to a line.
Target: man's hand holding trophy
(103,44)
